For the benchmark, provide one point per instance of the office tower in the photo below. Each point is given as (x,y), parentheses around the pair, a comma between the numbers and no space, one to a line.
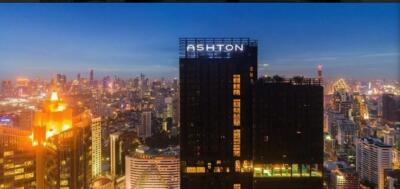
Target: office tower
(144,128)
(6,88)
(319,72)
(96,146)
(22,87)
(121,144)
(176,113)
(149,170)
(25,119)
(288,133)
(91,77)
(346,137)
(17,158)
(391,107)
(63,146)
(216,76)
(168,109)
(61,80)
(344,178)
(373,158)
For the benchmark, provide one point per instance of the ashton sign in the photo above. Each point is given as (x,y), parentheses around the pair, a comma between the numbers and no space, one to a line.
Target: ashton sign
(214,47)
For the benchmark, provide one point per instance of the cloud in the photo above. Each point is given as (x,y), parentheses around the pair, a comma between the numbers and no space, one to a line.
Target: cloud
(383,54)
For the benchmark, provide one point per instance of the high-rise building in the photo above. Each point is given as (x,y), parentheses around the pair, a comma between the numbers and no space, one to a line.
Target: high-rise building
(6,88)
(22,86)
(288,133)
(373,158)
(91,77)
(25,119)
(63,146)
(121,144)
(391,107)
(216,77)
(144,128)
(17,159)
(344,178)
(96,146)
(149,170)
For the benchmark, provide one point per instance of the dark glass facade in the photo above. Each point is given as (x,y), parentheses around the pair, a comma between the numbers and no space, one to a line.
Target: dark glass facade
(216,117)
(288,134)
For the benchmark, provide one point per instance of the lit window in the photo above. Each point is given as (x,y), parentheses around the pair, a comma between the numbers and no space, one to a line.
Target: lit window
(236,85)
(236,103)
(236,112)
(8,153)
(190,169)
(295,170)
(305,170)
(200,169)
(236,142)
(236,78)
(236,186)
(237,166)
(236,119)
(316,171)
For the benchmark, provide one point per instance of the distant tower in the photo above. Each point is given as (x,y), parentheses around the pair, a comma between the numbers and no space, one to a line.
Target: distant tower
(91,77)
(144,129)
(78,77)
(319,71)
(265,67)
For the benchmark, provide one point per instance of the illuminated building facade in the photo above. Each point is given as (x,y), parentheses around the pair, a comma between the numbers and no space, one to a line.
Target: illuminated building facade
(373,158)
(344,179)
(288,133)
(96,146)
(215,106)
(149,171)
(17,159)
(63,146)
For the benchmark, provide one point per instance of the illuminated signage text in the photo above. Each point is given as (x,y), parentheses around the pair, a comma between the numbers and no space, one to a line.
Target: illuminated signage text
(214,47)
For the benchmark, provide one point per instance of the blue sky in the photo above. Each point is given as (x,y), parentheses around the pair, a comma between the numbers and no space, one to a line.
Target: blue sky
(360,41)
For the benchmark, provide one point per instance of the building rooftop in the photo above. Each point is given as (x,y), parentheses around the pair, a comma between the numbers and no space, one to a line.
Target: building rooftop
(375,141)
(143,150)
(297,80)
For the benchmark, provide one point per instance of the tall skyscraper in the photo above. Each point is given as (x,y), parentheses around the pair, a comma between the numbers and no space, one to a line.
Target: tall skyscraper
(390,107)
(288,133)
(17,158)
(144,128)
(149,170)
(91,77)
(63,146)
(121,144)
(373,158)
(216,77)
(96,146)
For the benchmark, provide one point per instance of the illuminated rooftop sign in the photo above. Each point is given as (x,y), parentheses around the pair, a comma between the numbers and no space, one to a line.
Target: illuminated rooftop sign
(214,47)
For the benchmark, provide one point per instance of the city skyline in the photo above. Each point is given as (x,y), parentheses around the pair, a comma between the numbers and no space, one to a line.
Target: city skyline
(358,41)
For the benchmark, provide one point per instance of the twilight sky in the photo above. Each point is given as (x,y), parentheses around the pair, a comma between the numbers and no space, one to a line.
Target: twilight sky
(360,41)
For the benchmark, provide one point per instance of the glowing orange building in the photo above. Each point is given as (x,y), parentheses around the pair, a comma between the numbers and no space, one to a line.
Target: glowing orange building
(17,159)
(63,146)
